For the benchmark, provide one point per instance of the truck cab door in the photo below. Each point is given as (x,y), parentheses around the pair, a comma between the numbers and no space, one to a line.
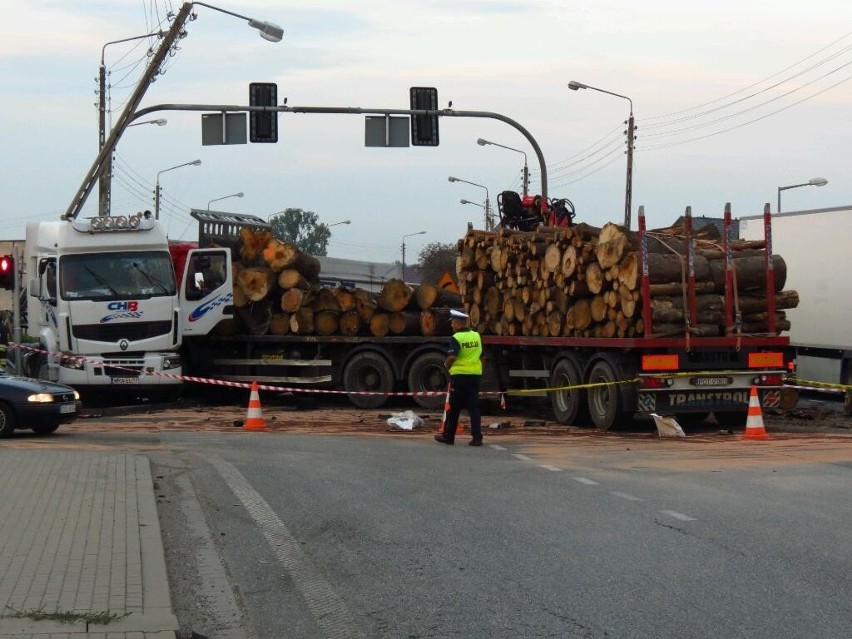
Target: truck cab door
(207,290)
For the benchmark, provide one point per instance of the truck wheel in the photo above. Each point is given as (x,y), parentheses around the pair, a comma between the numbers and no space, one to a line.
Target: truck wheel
(569,406)
(427,373)
(45,429)
(368,373)
(604,401)
(7,420)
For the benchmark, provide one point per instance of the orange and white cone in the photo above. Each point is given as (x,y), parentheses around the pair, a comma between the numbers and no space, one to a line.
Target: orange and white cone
(754,424)
(254,417)
(443,427)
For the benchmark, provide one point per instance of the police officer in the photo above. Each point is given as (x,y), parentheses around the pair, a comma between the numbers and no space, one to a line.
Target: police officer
(464,361)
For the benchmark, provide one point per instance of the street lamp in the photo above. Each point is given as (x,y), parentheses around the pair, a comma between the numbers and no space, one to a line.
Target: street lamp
(105,177)
(628,194)
(463,201)
(158,122)
(488,222)
(224,197)
(267,30)
(482,142)
(157,189)
(338,223)
(403,250)
(811,182)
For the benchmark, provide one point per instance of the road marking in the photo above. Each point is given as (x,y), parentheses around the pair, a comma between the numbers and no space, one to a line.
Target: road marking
(496,447)
(329,610)
(677,515)
(555,469)
(584,480)
(522,457)
(626,496)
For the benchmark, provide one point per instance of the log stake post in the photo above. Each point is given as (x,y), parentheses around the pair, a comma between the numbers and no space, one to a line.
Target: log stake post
(646,279)
(729,272)
(770,268)
(690,278)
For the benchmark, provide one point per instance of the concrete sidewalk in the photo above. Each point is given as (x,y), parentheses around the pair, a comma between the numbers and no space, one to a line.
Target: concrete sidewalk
(80,548)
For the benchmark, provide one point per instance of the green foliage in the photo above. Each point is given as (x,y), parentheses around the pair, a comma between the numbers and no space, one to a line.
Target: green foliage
(436,259)
(303,229)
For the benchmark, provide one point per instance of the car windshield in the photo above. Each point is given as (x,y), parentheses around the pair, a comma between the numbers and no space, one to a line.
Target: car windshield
(108,276)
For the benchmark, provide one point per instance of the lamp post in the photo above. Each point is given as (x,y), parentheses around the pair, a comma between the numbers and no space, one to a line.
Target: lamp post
(463,201)
(526,183)
(488,222)
(158,122)
(105,178)
(224,197)
(157,188)
(338,223)
(628,194)
(267,30)
(811,182)
(403,250)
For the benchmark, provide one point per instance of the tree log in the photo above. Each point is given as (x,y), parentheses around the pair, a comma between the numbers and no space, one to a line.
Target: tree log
(429,295)
(326,322)
(404,323)
(395,295)
(255,282)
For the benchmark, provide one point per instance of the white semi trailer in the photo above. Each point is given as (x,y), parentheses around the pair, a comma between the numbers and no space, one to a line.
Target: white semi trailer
(816,245)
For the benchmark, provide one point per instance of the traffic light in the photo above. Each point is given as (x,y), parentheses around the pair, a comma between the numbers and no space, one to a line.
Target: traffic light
(424,128)
(7,272)
(263,125)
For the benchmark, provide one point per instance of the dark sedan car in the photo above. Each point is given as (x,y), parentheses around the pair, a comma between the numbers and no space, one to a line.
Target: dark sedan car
(35,404)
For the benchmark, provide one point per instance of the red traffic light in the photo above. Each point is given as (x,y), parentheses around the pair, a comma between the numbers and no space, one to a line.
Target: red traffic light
(7,272)
(6,264)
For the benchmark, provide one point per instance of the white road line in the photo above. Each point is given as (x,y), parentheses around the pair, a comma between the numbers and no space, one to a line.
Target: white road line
(677,515)
(329,610)
(555,469)
(626,496)
(521,457)
(584,480)
(496,447)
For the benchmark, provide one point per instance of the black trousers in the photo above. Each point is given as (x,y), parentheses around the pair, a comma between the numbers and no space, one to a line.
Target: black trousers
(464,394)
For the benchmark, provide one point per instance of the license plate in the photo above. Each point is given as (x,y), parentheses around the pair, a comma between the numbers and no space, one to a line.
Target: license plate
(125,380)
(711,381)
(68,408)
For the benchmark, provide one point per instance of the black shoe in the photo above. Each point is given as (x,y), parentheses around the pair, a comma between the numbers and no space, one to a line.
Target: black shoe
(475,442)
(443,440)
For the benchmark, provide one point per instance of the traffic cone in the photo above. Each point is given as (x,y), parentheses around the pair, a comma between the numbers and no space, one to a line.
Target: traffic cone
(754,424)
(459,428)
(254,417)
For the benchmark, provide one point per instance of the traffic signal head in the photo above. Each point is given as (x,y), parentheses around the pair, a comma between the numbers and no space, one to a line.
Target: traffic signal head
(263,125)
(424,128)
(7,272)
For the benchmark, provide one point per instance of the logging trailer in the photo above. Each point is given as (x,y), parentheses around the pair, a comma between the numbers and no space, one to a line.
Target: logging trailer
(154,329)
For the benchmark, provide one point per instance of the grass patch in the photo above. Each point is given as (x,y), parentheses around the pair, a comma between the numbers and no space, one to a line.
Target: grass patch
(67,616)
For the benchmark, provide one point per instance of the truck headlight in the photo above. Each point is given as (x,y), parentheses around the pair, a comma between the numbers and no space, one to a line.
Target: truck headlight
(170,362)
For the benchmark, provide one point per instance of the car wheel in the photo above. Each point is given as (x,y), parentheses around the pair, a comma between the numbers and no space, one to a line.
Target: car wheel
(7,420)
(45,429)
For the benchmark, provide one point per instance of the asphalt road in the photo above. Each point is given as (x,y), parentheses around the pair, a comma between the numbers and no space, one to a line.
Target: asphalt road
(273,535)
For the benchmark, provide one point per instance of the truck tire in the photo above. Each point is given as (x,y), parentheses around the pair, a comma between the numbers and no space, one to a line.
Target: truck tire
(569,406)
(7,420)
(604,401)
(427,373)
(368,372)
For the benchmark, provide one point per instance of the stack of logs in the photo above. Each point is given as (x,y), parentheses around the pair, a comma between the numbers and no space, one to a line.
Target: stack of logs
(277,292)
(584,281)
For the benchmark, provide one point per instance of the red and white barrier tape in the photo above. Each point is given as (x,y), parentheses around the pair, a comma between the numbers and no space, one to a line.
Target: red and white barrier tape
(246,385)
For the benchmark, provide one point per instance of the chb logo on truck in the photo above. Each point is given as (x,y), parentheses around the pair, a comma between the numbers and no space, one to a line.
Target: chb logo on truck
(126,310)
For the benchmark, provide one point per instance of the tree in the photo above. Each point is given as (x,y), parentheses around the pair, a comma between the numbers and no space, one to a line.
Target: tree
(303,229)
(437,259)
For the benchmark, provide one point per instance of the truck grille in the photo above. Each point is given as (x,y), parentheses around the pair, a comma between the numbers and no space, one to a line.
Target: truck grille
(131,331)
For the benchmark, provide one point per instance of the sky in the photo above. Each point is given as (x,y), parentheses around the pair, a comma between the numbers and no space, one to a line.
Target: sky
(732,100)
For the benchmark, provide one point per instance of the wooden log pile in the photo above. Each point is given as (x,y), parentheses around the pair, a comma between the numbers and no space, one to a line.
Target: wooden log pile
(277,291)
(584,281)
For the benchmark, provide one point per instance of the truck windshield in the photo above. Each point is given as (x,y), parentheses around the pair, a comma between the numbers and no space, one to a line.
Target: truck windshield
(116,276)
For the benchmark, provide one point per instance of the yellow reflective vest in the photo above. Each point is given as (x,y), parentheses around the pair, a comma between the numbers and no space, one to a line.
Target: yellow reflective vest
(468,360)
